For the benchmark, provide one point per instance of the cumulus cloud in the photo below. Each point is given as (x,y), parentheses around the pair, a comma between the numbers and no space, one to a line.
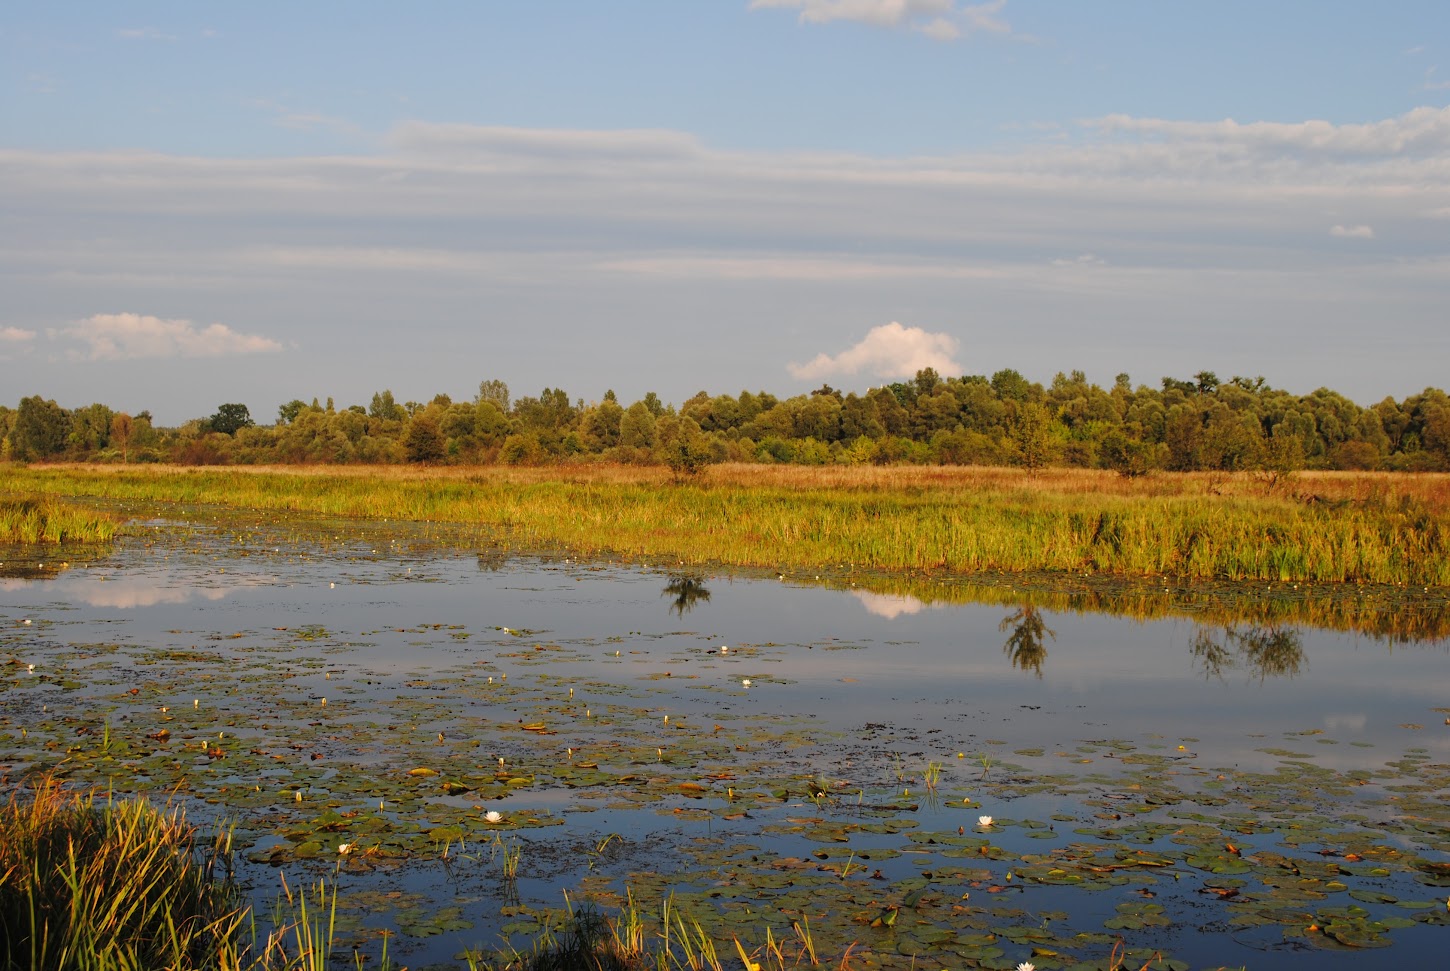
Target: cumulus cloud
(938,19)
(117,337)
(1352,232)
(888,351)
(16,335)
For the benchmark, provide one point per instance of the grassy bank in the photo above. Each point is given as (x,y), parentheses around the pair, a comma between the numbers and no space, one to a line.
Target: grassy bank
(1340,528)
(30,520)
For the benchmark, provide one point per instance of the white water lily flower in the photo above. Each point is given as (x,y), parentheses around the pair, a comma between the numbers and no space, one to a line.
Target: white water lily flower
(745,682)
(493,816)
(1026,966)
(984,820)
(344,848)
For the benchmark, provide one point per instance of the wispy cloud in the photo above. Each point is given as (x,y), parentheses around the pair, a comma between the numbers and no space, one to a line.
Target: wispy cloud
(127,336)
(1351,232)
(144,33)
(938,19)
(1420,131)
(1433,84)
(1195,222)
(288,117)
(888,351)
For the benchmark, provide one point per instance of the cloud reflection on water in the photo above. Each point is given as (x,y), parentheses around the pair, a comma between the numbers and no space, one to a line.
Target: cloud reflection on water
(134,591)
(892,605)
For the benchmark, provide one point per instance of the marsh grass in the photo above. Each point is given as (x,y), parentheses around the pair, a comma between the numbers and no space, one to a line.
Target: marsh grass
(1322,528)
(632,940)
(30,520)
(114,885)
(87,885)
(304,937)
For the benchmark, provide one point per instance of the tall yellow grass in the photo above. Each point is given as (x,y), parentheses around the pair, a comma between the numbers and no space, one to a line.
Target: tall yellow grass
(1325,527)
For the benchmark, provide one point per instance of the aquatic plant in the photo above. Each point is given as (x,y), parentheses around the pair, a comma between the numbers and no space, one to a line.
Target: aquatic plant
(631,940)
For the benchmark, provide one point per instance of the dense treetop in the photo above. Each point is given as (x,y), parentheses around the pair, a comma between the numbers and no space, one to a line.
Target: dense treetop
(1200,423)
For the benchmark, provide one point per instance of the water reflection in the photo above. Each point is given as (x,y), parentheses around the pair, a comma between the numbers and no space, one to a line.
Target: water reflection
(135,590)
(891,605)
(1384,614)
(1265,651)
(1026,644)
(492,561)
(687,591)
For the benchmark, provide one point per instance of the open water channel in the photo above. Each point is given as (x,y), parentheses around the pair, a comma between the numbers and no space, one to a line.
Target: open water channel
(458,739)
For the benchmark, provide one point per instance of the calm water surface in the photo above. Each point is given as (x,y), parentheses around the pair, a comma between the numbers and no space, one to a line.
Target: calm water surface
(434,659)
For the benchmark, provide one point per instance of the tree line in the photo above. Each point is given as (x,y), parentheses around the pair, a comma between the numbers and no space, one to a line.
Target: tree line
(1192,424)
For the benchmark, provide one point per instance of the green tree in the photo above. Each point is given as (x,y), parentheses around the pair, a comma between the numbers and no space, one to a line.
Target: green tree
(424,441)
(40,430)
(287,414)
(637,427)
(495,391)
(1129,457)
(1032,436)
(384,408)
(229,418)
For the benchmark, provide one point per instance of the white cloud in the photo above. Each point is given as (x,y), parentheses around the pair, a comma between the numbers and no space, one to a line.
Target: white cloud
(16,335)
(938,19)
(116,337)
(888,351)
(1352,232)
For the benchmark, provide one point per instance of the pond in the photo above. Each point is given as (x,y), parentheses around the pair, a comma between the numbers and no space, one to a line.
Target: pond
(484,733)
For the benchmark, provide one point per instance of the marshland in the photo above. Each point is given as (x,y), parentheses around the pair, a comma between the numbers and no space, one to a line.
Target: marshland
(727,716)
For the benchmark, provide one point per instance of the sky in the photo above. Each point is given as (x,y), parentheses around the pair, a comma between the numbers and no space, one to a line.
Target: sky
(209,203)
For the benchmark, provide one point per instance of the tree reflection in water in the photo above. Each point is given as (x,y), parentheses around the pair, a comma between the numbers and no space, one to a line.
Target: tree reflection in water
(1026,644)
(687,591)
(1266,651)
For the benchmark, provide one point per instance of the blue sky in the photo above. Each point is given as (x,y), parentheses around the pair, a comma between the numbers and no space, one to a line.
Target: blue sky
(255,202)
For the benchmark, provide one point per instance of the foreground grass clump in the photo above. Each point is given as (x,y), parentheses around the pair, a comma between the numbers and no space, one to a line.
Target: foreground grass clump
(32,521)
(585,940)
(117,885)
(1356,528)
